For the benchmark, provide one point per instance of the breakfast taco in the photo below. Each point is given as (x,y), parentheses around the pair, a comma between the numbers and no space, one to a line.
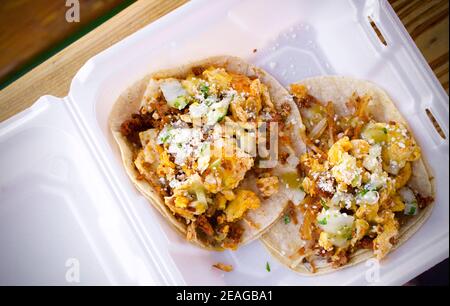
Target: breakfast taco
(366,185)
(205,143)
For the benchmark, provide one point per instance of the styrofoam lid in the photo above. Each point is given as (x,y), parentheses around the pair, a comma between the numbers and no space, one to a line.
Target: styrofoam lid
(58,221)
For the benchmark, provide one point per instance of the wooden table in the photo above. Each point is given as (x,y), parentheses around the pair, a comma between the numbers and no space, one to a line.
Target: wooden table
(426,21)
(31,30)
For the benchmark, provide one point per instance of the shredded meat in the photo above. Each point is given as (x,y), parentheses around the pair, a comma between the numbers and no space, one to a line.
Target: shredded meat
(204,225)
(234,236)
(165,112)
(283,156)
(137,123)
(285,110)
(365,243)
(191,234)
(275,117)
(198,70)
(330,121)
(223,267)
(310,262)
(424,201)
(304,102)
(291,211)
(340,260)
(301,96)
(307,228)
(310,144)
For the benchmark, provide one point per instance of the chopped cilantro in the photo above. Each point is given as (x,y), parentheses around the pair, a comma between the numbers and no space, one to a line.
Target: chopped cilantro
(324,204)
(180,102)
(179,145)
(204,89)
(267,267)
(363,192)
(411,209)
(165,138)
(366,189)
(385,130)
(220,118)
(323,221)
(287,219)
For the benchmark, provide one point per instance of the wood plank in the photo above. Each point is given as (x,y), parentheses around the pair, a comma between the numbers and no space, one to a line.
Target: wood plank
(32,27)
(54,75)
(428,24)
(426,21)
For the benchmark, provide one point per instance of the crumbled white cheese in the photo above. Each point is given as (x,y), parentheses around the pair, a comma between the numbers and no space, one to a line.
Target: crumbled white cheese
(196,110)
(347,171)
(175,183)
(377,180)
(325,182)
(372,161)
(182,142)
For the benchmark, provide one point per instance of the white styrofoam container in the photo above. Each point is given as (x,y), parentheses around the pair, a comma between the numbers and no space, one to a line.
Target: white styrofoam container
(70,215)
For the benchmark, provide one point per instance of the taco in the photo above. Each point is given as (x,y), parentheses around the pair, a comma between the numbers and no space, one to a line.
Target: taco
(197,143)
(367,187)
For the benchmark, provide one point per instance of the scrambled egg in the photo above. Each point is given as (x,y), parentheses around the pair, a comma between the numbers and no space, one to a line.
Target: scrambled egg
(247,106)
(367,172)
(268,185)
(383,243)
(244,200)
(166,167)
(325,241)
(347,171)
(338,149)
(356,179)
(218,77)
(228,171)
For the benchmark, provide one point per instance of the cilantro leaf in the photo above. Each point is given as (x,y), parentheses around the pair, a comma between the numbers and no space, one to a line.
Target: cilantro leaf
(287,219)
(324,204)
(204,89)
(267,267)
(363,192)
(323,221)
(165,138)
